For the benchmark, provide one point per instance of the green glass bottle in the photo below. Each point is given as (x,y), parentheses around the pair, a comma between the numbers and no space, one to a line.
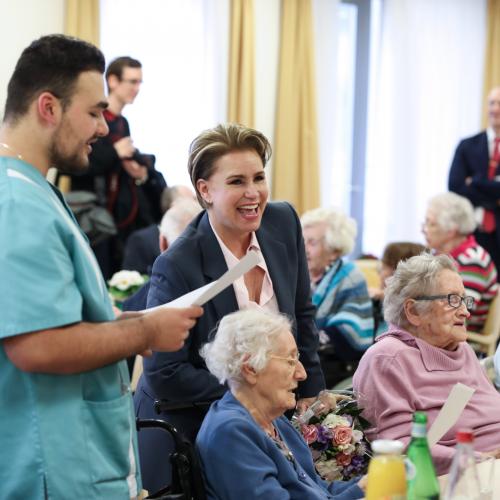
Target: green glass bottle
(422,480)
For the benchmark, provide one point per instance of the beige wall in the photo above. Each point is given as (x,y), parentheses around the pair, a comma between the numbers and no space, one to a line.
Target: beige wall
(21,21)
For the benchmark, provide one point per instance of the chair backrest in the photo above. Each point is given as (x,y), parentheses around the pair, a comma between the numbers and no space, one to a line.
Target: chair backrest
(369,269)
(487,340)
(492,325)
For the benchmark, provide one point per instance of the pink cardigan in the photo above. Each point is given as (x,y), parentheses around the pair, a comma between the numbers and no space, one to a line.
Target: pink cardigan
(401,374)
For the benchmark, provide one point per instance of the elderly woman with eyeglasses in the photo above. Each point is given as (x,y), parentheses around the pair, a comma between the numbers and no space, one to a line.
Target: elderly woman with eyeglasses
(414,366)
(248,449)
(448,228)
(344,313)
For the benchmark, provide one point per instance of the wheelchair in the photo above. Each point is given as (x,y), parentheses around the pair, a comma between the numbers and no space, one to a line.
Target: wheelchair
(187,477)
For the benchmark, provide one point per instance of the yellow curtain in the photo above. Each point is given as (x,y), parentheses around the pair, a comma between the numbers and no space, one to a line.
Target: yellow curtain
(241,64)
(492,60)
(296,164)
(82,20)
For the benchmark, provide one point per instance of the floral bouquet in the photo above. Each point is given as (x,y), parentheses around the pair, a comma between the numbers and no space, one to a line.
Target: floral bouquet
(334,430)
(123,284)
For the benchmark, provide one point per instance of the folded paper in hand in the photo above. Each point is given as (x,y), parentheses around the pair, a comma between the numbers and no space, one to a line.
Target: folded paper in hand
(207,292)
(450,412)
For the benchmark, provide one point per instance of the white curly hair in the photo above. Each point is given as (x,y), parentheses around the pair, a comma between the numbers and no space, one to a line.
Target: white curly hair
(246,336)
(341,230)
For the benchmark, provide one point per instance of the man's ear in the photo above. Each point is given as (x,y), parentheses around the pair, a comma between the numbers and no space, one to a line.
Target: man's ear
(411,312)
(113,82)
(49,108)
(163,243)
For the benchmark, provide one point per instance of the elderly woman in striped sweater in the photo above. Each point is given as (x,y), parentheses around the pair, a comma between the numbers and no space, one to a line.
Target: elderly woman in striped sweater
(448,228)
(344,313)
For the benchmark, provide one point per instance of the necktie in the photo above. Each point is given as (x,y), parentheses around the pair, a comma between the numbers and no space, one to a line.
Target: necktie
(489,224)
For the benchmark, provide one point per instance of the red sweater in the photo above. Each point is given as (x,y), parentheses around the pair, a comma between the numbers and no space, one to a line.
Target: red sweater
(479,275)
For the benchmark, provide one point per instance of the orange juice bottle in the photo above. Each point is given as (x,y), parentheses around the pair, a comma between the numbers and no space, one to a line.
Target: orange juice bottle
(386,472)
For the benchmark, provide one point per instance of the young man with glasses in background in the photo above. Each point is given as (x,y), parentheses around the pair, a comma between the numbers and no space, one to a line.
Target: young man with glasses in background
(123,179)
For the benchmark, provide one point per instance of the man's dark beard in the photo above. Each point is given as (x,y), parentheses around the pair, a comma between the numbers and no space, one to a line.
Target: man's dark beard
(67,164)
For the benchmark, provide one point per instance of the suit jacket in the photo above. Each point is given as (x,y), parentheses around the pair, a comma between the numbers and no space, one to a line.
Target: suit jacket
(472,160)
(196,259)
(240,461)
(141,249)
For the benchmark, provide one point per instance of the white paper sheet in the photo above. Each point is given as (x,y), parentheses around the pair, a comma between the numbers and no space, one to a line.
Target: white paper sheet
(207,292)
(450,412)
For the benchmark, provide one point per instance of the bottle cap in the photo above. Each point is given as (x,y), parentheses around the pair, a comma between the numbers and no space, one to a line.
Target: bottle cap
(387,447)
(465,436)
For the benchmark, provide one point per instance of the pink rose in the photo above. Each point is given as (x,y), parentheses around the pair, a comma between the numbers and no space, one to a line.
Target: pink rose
(343,459)
(310,433)
(342,435)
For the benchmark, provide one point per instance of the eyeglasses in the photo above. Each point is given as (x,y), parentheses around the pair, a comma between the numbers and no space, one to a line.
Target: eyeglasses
(132,81)
(292,361)
(454,300)
(313,242)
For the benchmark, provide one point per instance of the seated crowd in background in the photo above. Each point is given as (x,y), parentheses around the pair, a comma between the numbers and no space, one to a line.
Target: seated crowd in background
(344,313)
(248,448)
(143,245)
(182,211)
(393,253)
(414,366)
(448,228)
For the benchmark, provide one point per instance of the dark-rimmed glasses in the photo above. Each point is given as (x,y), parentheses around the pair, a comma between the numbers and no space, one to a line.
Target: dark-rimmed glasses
(454,300)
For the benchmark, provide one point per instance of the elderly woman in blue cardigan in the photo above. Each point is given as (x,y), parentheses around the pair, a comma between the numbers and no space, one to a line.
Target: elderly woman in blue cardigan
(248,448)
(344,313)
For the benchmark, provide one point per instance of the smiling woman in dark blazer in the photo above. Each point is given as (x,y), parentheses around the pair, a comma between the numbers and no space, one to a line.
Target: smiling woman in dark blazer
(226,165)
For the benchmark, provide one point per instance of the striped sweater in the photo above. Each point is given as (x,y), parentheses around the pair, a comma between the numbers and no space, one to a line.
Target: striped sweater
(344,310)
(479,275)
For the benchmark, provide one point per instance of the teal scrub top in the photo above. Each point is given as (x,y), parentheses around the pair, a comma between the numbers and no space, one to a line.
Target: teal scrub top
(62,436)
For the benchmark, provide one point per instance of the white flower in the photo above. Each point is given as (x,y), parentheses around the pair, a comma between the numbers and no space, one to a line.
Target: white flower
(329,470)
(357,436)
(348,449)
(333,420)
(123,280)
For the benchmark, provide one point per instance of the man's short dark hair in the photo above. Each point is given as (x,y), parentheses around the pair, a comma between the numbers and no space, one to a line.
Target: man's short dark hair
(116,66)
(52,64)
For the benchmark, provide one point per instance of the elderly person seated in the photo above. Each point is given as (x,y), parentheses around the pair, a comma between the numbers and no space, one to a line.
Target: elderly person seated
(393,253)
(448,228)
(414,366)
(344,312)
(248,449)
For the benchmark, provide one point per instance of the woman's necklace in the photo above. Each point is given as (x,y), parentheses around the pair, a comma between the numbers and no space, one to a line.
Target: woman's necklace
(8,148)
(275,436)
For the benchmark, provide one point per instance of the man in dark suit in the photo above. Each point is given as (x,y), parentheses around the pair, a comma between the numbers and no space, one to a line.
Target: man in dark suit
(144,245)
(474,174)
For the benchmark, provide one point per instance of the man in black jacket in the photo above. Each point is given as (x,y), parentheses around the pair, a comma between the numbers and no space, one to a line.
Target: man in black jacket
(124,180)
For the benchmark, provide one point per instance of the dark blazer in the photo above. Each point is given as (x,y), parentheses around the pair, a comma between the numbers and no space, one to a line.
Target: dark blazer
(196,259)
(471,160)
(141,249)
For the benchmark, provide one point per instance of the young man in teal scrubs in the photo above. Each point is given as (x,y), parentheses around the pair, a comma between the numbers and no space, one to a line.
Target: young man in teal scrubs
(66,415)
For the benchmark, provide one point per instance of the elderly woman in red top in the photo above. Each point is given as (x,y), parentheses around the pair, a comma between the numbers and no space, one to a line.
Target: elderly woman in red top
(448,228)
